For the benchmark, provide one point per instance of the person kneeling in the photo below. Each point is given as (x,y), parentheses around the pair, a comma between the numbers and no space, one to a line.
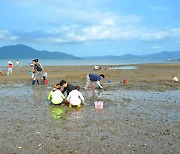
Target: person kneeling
(55,96)
(75,97)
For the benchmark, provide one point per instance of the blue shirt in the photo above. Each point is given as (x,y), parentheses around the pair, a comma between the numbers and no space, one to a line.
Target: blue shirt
(94,77)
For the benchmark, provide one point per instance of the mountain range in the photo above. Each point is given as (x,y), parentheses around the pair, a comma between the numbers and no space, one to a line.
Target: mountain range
(25,52)
(164,55)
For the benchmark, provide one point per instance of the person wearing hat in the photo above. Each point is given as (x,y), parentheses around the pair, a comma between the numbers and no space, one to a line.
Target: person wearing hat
(10,67)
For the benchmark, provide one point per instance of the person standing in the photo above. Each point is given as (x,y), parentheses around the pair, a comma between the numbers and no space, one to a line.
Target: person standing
(10,67)
(17,63)
(38,72)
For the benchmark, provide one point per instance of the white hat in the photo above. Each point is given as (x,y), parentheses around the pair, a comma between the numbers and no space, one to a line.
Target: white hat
(9,62)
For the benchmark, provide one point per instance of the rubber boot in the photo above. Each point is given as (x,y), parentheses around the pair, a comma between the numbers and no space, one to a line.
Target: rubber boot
(33,82)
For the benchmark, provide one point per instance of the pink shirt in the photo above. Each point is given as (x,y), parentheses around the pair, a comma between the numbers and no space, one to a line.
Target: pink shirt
(10,65)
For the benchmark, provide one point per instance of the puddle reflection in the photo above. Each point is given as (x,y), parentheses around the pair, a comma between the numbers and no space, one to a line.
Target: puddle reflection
(56,111)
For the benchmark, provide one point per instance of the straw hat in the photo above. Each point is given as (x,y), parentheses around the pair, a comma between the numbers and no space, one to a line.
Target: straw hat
(9,62)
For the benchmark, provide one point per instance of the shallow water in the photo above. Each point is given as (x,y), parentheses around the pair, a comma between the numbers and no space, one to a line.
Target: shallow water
(131,121)
(67,62)
(155,104)
(126,68)
(3,68)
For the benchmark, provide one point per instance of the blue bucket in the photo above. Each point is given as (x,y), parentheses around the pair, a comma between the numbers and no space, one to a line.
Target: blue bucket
(29,72)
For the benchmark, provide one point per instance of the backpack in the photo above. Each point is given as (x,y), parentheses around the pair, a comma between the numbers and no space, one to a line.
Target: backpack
(38,67)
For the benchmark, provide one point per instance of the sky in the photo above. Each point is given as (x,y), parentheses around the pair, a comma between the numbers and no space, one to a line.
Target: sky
(92,27)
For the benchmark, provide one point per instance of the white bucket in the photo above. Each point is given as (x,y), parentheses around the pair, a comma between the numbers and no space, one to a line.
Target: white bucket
(98,104)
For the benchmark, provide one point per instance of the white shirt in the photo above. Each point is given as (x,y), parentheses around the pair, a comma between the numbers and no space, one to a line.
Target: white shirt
(45,74)
(96,67)
(75,97)
(175,79)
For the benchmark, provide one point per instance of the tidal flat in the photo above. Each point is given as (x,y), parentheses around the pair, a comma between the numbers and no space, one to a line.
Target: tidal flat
(141,116)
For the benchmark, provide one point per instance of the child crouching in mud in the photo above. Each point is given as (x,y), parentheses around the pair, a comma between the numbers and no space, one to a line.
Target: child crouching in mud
(55,96)
(75,97)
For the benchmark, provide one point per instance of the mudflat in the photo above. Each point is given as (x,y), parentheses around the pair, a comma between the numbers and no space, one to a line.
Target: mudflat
(139,116)
(145,77)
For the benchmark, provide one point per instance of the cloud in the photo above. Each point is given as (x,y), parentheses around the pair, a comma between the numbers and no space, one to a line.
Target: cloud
(160,35)
(156,47)
(101,26)
(73,22)
(6,35)
(88,33)
(107,31)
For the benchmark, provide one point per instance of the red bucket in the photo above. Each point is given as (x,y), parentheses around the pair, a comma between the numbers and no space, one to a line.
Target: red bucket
(125,81)
(46,82)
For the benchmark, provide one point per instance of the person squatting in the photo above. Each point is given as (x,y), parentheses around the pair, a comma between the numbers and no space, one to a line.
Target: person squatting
(74,96)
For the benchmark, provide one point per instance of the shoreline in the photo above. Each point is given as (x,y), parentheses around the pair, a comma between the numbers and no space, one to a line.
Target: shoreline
(70,62)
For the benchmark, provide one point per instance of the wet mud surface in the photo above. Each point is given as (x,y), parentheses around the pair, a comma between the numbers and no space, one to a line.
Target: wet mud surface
(132,121)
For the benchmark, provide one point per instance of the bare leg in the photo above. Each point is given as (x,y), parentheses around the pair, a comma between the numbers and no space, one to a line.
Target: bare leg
(93,86)
(87,82)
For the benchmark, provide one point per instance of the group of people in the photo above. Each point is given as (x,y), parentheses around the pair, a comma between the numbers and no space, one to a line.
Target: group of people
(96,67)
(56,95)
(74,96)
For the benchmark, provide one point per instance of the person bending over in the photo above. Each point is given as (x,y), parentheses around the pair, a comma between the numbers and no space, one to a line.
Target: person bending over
(94,78)
(67,87)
